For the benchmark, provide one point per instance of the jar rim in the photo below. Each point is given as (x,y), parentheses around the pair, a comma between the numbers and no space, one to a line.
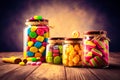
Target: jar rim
(73,39)
(56,38)
(95,32)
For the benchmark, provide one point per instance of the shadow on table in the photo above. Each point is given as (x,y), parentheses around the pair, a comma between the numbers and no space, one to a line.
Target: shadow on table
(114,66)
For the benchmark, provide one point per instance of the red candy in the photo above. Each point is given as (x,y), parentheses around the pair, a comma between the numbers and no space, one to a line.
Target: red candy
(34,40)
(40,32)
(55,54)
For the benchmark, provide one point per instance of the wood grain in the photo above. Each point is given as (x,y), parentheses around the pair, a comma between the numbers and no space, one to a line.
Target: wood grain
(48,72)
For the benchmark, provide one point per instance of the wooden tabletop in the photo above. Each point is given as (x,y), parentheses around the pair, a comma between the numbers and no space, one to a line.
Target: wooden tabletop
(57,72)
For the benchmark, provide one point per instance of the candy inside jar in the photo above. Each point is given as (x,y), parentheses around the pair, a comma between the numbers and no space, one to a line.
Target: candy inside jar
(54,50)
(35,38)
(72,52)
(96,49)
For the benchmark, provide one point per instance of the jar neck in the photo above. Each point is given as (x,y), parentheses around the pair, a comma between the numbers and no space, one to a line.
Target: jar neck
(55,41)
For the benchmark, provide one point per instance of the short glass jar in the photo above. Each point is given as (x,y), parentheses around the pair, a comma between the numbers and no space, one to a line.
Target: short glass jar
(72,52)
(96,49)
(54,50)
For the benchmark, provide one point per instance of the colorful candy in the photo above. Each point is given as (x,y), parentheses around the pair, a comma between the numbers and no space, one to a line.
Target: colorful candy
(96,49)
(72,52)
(37,34)
(54,50)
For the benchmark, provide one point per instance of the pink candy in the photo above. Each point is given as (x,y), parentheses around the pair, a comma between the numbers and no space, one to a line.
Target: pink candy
(34,63)
(40,32)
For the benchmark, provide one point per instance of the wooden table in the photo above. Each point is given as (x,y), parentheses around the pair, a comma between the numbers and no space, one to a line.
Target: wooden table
(57,72)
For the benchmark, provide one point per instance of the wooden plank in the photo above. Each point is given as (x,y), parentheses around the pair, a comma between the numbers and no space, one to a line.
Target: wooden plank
(7,68)
(19,73)
(48,72)
(112,72)
(79,74)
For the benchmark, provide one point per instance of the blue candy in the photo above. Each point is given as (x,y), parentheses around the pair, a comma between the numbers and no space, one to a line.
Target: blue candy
(45,39)
(29,30)
(38,44)
(30,54)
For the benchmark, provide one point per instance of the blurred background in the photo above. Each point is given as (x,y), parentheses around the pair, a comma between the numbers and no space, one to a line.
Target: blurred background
(65,16)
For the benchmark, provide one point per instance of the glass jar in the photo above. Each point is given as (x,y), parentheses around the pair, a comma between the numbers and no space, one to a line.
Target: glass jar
(72,52)
(35,38)
(54,50)
(96,49)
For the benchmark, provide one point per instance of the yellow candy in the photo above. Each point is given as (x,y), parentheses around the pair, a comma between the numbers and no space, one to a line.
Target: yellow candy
(33,28)
(73,53)
(38,54)
(30,58)
(76,59)
(71,57)
(70,63)
(75,34)
(65,56)
(33,49)
(42,48)
(40,38)
(76,47)
(46,35)
(30,43)
(65,62)
(21,63)
(90,43)
(24,54)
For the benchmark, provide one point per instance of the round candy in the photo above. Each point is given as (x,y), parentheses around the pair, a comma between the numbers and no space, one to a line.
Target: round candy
(34,59)
(33,49)
(21,63)
(75,34)
(33,34)
(40,32)
(30,54)
(44,44)
(38,54)
(39,63)
(33,63)
(57,60)
(38,17)
(38,44)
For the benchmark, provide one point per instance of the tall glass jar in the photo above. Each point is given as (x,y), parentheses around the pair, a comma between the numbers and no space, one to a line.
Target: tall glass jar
(54,50)
(96,49)
(35,38)
(72,52)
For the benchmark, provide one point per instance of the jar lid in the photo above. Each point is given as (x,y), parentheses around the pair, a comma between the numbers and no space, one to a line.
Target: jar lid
(56,38)
(73,39)
(95,32)
(36,20)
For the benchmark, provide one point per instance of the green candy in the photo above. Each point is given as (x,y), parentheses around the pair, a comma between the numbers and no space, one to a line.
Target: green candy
(49,59)
(34,59)
(49,54)
(57,60)
(33,34)
(60,48)
(38,17)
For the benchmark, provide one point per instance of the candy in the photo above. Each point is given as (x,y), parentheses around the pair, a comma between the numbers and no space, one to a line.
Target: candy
(40,32)
(46,34)
(34,63)
(33,49)
(38,17)
(22,64)
(70,63)
(34,59)
(38,44)
(40,38)
(30,43)
(57,60)
(38,54)
(55,51)
(14,60)
(46,29)
(60,48)
(28,31)
(49,54)
(55,54)
(42,48)
(99,44)
(93,63)
(34,40)
(76,59)
(30,54)
(75,34)
(44,44)
(33,35)
(90,44)
(88,56)
(33,28)
(49,59)
(99,60)
(96,52)
(76,47)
